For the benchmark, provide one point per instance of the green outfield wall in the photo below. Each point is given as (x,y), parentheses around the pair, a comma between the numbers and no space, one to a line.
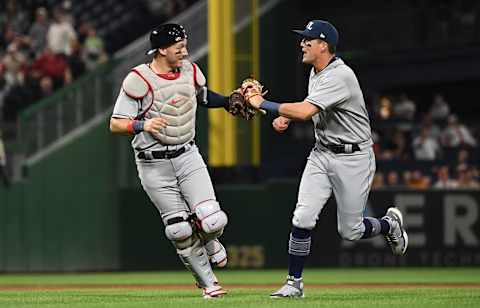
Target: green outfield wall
(443,227)
(63,216)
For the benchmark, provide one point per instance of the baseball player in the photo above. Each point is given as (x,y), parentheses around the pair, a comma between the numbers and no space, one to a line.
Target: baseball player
(342,160)
(157,105)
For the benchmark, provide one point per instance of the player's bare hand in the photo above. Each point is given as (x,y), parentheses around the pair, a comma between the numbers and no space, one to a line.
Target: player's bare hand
(255,101)
(280,124)
(154,125)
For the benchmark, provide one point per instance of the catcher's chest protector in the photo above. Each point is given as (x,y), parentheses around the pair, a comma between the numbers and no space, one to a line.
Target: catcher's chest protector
(173,100)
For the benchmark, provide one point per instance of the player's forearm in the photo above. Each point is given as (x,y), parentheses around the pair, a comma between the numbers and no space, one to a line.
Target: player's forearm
(210,99)
(122,126)
(215,100)
(301,111)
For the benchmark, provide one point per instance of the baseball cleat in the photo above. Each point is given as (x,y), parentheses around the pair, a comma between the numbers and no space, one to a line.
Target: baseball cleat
(397,237)
(217,254)
(292,288)
(214,291)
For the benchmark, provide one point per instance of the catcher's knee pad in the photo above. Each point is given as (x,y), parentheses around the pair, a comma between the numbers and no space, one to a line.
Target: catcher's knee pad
(210,217)
(303,219)
(351,231)
(178,229)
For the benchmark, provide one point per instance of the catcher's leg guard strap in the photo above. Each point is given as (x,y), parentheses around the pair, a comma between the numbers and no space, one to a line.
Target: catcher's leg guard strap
(179,230)
(195,259)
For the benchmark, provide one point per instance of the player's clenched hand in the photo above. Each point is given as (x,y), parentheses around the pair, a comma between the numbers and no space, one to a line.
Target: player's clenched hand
(252,90)
(280,124)
(154,125)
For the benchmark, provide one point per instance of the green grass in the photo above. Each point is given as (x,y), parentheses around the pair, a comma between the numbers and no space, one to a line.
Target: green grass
(425,296)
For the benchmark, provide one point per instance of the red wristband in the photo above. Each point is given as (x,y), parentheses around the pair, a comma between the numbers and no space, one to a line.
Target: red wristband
(130,127)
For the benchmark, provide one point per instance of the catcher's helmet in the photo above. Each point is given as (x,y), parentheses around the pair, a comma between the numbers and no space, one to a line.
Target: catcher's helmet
(166,35)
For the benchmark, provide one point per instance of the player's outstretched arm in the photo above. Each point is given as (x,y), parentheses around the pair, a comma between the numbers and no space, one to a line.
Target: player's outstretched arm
(132,127)
(302,111)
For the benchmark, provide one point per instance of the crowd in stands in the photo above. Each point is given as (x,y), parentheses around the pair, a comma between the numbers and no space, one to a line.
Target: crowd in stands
(41,49)
(423,150)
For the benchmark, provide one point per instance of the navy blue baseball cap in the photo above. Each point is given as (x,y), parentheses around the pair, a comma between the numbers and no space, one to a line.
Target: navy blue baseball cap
(166,35)
(320,29)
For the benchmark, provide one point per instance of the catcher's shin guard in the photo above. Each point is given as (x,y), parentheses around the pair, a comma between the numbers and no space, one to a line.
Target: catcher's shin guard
(216,253)
(195,259)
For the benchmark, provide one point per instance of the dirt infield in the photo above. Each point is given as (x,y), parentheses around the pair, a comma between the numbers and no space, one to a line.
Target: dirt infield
(57,287)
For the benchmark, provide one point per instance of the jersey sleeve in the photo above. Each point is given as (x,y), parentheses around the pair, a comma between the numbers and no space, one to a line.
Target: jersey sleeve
(126,107)
(328,93)
(198,76)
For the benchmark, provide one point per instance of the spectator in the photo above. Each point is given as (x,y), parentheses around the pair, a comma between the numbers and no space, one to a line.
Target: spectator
(378,181)
(46,87)
(463,157)
(38,31)
(457,135)
(396,147)
(3,163)
(443,179)
(384,108)
(66,8)
(393,180)
(60,34)
(52,65)
(75,61)
(14,63)
(418,181)
(94,49)
(8,36)
(17,17)
(466,179)
(425,147)
(440,110)
(433,129)
(404,108)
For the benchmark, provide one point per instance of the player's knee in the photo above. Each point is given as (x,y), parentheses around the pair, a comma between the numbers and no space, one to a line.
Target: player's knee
(206,237)
(303,219)
(178,229)
(350,232)
(210,216)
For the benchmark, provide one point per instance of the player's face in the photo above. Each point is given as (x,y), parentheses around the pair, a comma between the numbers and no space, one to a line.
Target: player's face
(311,49)
(176,53)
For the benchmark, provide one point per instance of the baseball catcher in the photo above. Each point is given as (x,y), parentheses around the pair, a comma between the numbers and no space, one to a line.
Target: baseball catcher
(157,105)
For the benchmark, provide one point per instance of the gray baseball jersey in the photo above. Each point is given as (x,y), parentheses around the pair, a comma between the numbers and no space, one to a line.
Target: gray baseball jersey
(177,184)
(343,119)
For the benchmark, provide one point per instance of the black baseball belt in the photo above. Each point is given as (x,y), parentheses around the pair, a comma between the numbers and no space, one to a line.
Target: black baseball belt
(343,148)
(167,154)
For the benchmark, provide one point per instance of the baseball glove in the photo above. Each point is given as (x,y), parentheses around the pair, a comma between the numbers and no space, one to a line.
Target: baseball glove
(238,99)
(251,87)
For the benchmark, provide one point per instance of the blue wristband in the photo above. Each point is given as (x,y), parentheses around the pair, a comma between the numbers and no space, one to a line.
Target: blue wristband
(270,106)
(138,126)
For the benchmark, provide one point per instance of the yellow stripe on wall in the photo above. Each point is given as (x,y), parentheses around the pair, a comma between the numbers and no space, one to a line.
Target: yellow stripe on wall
(221,78)
(256,146)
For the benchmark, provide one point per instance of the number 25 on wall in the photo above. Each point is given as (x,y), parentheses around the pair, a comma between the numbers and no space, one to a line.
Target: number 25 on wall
(246,256)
